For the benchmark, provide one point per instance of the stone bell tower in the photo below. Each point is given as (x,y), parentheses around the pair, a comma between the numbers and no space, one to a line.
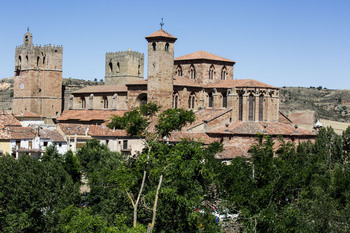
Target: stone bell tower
(38,78)
(160,68)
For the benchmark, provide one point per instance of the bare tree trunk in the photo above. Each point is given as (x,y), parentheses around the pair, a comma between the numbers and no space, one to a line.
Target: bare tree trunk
(135,204)
(151,226)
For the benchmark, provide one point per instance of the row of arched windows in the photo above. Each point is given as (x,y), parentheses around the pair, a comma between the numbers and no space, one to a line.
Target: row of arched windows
(83,102)
(191,101)
(211,72)
(154,46)
(251,108)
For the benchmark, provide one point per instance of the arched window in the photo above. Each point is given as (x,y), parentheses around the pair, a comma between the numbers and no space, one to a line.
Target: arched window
(37,60)
(211,72)
(261,107)
(20,60)
(27,57)
(191,101)
(166,46)
(154,45)
(26,38)
(175,100)
(223,73)
(138,70)
(179,71)
(118,67)
(210,100)
(105,102)
(110,67)
(43,60)
(251,108)
(240,107)
(224,100)
(193,72)
(83,102)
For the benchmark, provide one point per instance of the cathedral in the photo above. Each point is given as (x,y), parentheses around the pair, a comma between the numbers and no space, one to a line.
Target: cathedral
(228,110)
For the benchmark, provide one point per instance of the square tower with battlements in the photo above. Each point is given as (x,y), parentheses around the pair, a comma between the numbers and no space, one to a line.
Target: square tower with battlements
(38,78)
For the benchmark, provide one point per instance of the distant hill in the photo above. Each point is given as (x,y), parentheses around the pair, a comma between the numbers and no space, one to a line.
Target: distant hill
(326,103)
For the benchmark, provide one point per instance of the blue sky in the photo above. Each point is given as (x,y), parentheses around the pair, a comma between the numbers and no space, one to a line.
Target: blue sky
(279,42)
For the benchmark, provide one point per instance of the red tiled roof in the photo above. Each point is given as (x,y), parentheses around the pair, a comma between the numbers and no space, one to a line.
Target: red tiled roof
(102,89)
(185,82)
(207,115)
(84,115)
(231,152)
(7,119)
(71,129)
(202,137)
(21,133)
(202,55)
(24,114)
(238,83)
(253,128)
(161,33)
(102,130)
(51,134)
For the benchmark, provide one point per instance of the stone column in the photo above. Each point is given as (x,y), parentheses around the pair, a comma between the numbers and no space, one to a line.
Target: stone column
(114,101)
(91,100)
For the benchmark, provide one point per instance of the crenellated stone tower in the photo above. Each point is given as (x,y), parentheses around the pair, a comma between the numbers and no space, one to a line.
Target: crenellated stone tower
(123,67)
(160,68)
(38,78)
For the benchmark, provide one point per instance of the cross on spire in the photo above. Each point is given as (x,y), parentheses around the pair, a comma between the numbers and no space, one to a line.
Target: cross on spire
(161,24)
(27,29)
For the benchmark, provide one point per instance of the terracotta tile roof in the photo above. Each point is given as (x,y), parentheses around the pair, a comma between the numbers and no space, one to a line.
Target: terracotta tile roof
(102,89)
(51,134)
(85,115)
(201,137)
(231,152)
(202,55)
(161,33)
(207,115)
(185,82)
(21,132)
(7,119)
(102,130)
(24,114)
(253,128)
(71,129)
(238,83)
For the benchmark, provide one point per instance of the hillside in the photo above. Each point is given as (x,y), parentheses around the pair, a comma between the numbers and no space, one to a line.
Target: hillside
(326,103)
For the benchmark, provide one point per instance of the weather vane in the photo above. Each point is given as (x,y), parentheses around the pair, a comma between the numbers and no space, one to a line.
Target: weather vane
(161,24)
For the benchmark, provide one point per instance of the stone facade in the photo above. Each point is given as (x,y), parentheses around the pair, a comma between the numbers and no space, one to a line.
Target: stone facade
(38,79)
(123,67)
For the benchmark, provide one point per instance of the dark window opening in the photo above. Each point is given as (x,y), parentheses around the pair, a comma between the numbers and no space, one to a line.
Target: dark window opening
(83,102)
(18,72)
(45,144)
(118,67)
(175,101)
(37,61)
(223,73)
(210,100)
(125,144)
(20,60)
(193,72)
(211,72)
(261,108)
(224,100)
(166,46)
(240,108)
(110,67)
(179,71)
(251,108)
(27,57)
(105,102)
(191,101)
(26,38)
(43,60)
(154,45)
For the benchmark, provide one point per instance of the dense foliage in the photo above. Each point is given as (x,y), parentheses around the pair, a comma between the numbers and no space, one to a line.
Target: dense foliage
(174,187)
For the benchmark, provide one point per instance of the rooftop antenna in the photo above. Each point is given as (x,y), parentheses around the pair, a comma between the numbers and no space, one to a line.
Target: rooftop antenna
(161,24)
